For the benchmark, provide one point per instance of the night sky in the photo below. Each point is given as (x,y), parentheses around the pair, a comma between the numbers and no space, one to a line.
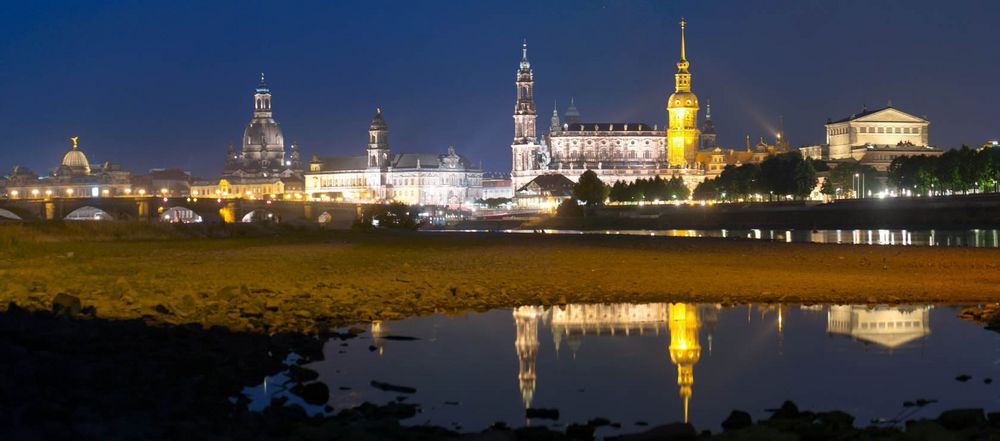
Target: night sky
(168,84)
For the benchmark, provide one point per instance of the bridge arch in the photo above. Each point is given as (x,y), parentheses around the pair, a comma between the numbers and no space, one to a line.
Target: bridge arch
(89,213)
(7,215)
(261,215)
(179,214)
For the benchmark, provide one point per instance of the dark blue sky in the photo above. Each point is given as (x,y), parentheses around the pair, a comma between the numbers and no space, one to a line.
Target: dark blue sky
(160,84)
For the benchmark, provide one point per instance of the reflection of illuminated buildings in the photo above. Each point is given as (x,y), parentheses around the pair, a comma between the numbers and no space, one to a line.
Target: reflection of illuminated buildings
(526,342)
(685,349)
(884,326)
(572,321)
(378,334)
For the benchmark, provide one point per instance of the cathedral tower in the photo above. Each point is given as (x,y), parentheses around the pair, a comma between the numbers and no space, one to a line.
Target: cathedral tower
(525,148)
(682,133)
(378,142)
(708,141)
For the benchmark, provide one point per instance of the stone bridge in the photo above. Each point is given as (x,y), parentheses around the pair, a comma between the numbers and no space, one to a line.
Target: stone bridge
(150,208)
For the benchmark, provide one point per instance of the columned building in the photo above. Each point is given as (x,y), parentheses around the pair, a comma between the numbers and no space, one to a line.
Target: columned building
(616,151)
(447,179)
(875,138)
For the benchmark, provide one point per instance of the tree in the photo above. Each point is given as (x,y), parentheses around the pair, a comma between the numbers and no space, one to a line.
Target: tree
(569,208)
(676,189)
(590,189)
(706,190)
(848,177)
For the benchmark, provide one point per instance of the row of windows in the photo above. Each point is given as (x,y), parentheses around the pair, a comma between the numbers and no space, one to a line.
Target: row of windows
(603,142)
(631,154)
(891,325)
(901,130)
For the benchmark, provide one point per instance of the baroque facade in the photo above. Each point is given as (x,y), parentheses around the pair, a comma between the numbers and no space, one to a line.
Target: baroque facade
(262,168)
(624,151)
(875,138)
(447,179)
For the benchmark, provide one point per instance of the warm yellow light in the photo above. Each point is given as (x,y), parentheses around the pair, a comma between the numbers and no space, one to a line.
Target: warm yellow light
(48,192)
(163,191)
(13,193)
(69,191)
(128,191)
(106,192)
(34,192)
(142,191)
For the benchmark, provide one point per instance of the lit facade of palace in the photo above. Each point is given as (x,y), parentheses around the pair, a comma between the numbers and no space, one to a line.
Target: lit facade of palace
(875,138)
(447,179)
(884,326)
(615,151)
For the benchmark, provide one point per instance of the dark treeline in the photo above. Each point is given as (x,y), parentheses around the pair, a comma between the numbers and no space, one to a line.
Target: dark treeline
(649,190)
(958,171)
(777,177)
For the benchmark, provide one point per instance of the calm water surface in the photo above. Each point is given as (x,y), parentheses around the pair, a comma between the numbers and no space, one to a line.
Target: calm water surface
(935,238)
(661,363)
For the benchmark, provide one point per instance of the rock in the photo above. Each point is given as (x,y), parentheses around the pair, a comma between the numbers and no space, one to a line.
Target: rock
(736,420)
(672,432)
(583,432)
(958,419)
(393,388)
(66,304)
(550,414)
(313,393)
(300,374)
(994,419)
(963,378)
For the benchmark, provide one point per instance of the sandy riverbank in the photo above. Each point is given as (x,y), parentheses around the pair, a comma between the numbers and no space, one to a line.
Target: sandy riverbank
(254,279)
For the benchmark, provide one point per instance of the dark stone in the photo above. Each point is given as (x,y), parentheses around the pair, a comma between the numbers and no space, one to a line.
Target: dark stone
(551,414)
(598,422)
(580,432)
(788,410)
(736,420)
(66,304)
(994,419)
(669,432)
(299,374)
(957,419)
(393,388)
(313,393)
(963,378)
(836,420)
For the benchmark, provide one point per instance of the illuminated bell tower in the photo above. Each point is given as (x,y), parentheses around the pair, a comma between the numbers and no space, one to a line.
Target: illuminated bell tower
(526,343)
(525,148)
(685,349)
(376,176)
(683,135)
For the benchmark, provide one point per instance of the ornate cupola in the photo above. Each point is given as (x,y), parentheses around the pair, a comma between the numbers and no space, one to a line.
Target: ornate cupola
(378,142)
(682,132)
(262,99)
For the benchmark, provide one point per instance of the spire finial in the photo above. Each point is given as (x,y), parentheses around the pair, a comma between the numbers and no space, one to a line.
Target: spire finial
(75,140)
(524,49)
(378,110)
(683,52)
(708,108)
(262,77)
(890,102)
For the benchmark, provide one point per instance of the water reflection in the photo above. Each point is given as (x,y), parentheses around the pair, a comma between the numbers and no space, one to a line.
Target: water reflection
(889,327)
(661,362)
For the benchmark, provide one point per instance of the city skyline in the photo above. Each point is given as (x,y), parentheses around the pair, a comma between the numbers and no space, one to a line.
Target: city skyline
(451,86)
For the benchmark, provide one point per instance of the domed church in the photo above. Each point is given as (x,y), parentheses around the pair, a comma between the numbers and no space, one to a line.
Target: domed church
(263,144)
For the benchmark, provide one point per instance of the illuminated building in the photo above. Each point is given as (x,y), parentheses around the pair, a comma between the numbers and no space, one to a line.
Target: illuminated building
(685,349)
(75,177)
(683,134)
(884,326)
(447,179)
(261,168)
(875,138)
(526,320)
(616,151)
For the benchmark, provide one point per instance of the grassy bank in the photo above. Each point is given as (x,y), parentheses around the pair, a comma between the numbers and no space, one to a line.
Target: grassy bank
(264,279)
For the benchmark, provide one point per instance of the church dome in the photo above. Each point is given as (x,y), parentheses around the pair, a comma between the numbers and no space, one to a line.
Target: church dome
(682,99)
(76,160)
(263,132)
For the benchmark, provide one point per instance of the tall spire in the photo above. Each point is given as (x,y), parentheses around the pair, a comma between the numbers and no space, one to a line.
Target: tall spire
(524,55)
(683,53)
(708,109)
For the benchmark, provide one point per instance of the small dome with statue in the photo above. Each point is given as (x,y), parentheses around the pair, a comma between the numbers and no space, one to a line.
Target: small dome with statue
(75,160)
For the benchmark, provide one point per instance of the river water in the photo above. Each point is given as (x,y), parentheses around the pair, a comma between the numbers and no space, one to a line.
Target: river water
(944,238)
(638,364)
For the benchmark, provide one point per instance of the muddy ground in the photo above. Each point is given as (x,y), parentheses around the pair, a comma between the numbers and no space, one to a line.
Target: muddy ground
(257,279)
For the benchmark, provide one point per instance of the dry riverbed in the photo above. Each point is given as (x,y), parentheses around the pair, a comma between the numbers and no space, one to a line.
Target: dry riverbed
(257,279)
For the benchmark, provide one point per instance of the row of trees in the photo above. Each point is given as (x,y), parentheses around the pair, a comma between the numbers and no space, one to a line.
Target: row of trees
(648,190)
(958,171)
(776,177)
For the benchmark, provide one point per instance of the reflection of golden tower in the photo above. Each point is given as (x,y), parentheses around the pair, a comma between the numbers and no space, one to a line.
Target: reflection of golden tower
(526,342)
(685,349)
(682,132)
(379,331)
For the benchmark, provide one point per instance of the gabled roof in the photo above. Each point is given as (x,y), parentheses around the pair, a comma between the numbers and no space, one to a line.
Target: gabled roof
(867,113)
(554,184)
